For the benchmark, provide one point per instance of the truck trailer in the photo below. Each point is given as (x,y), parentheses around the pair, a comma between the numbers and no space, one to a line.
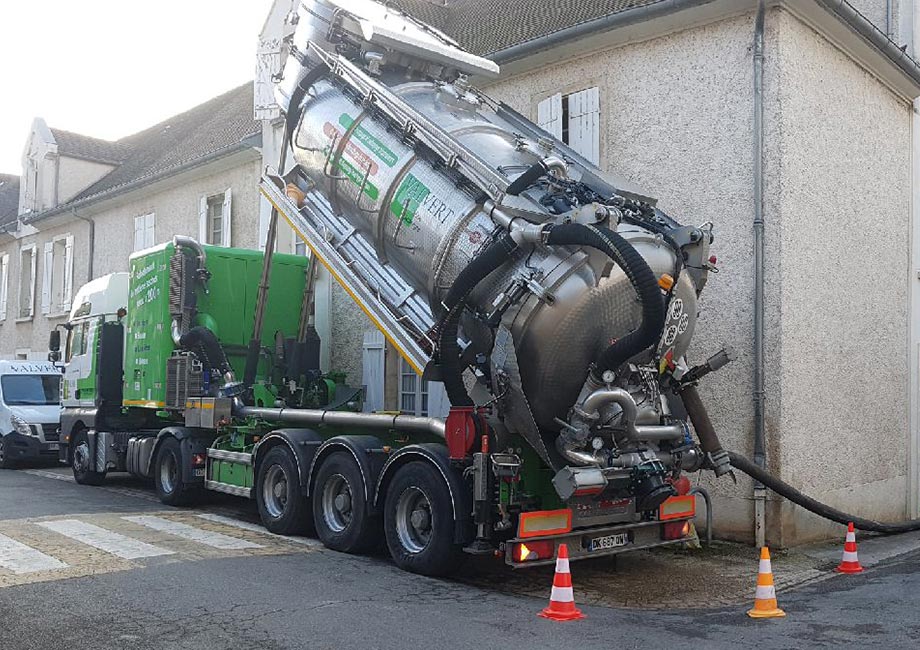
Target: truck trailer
(555,302)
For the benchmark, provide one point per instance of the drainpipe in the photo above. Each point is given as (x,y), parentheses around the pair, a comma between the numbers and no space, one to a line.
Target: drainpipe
(889,19)
(92,242)
(760,455)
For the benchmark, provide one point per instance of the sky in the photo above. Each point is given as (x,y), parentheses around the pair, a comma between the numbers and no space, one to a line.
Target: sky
(110,68)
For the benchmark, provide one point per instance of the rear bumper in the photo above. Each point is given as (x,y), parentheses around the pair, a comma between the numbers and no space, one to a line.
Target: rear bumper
(20,447)
(646,534)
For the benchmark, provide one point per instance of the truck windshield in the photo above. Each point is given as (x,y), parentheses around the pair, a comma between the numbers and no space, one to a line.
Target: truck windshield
(31,390)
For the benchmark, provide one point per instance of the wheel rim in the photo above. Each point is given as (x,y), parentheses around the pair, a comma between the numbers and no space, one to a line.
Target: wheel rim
(169,473)
(81,457)
(337,502)
(414,521)
(275,491)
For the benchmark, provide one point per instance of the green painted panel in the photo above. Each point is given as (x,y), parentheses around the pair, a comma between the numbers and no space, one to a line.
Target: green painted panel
(227,308)
(147,339)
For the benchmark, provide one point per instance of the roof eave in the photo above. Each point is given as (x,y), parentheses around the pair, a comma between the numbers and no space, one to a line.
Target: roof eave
(870,46)
(246,144)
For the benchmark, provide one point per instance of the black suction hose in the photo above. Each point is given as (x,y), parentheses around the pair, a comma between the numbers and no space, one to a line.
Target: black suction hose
(203,342)
(496,254)
(785,490)
(640,276)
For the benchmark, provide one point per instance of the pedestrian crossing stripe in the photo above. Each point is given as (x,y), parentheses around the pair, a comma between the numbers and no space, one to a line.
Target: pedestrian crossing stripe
(206,537)
(256,528)
(19,558)
(105,540)
(54,548)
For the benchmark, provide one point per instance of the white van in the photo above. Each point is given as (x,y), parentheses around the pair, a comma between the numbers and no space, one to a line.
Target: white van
(30,411)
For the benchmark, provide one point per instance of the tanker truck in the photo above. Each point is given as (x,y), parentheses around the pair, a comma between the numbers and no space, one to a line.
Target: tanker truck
(554,301)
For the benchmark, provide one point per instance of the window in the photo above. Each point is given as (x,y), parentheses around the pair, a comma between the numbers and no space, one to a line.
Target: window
(57,275)
(413,391)
(27,260)
(4,283)
(31,390)
(574,119)
(299,245)
(418,396)
(22,354)
(76,341)
(214,214)
(143,231)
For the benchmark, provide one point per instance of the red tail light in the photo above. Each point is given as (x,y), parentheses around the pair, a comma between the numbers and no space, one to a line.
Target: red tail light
(531,551)
(198,460)
(676,530)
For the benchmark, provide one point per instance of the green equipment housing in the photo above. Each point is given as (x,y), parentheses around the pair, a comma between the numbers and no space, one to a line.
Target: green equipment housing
(163,289)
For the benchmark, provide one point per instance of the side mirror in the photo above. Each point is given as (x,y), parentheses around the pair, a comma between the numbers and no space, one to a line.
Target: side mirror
(54,340)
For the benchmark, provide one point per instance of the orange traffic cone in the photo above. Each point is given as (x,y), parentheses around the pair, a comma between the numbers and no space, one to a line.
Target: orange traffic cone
(562,600)
(765,597)
(850,561)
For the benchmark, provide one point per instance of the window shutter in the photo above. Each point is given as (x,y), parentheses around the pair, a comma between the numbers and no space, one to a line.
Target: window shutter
(203,220)
(47,267)
(150,224)
(138,233)
(32,264)
(68,274)
(4,283)
(226,219)
(549,115)
(372,362)
(584,123)
(438,404)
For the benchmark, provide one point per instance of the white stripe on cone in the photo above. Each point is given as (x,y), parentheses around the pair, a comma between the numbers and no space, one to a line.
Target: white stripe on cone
(562,565)
(562,595)
(851,537)
(765,592)
(850,556)
(765,567)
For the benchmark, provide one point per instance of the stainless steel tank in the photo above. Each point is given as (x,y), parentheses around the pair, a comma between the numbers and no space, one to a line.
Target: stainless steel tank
(418,162)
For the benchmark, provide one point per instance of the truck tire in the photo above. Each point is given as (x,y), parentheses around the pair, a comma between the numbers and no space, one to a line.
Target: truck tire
(340,507)
(5,461)
(81,461)
(283,508)
(418,521)
(167,475)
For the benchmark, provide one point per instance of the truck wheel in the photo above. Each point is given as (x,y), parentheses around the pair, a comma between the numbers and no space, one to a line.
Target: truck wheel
(81,461)
(167,474)
(5,461)
(418,521)
(283,508)
(339,507)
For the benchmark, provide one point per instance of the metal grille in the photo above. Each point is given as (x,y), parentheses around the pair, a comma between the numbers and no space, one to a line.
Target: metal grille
(52,432)
(176,273)
(183,380)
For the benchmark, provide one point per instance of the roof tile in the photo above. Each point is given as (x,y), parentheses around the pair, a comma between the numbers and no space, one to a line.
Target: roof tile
(484,28)
(9,198)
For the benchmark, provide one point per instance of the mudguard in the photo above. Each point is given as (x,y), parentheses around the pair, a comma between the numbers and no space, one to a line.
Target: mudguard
(303,443)
(436,454)
(369,454)
(190,442)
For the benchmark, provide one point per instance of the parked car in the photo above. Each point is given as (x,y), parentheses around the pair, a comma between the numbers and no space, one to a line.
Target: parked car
(30,411)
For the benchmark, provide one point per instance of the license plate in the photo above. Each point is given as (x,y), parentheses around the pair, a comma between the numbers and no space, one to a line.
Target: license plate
(609,541)
(199,472)
(54,446)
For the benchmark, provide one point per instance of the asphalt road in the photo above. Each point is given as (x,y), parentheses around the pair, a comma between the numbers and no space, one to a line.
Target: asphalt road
(267,592)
